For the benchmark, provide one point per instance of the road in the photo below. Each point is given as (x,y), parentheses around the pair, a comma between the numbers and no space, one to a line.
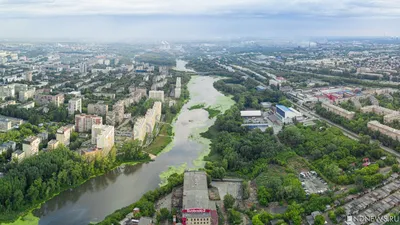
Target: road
(345,131)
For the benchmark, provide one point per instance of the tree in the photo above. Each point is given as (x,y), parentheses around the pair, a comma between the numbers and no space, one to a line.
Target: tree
(319,220)
(229,201)
(234,217)
(218,173)
(263,196)
(395,168)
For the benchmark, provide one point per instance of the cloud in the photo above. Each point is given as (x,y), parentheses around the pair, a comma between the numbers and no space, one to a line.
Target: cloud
(306,8)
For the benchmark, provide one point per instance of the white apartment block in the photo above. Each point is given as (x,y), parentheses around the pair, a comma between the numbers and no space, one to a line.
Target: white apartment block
(103,137)
(145,125)
(83,122)
(157,95)
(74,105)
(26,94)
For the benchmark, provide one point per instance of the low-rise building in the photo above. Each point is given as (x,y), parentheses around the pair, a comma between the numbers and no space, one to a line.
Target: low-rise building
(28,105)
(337,110)
(6,146)
(26,94)
(30,146)
(18,155)
(285,114)
(53,144)
(74,105)
(383,129)
(5,125)
(103,137)
(84,122)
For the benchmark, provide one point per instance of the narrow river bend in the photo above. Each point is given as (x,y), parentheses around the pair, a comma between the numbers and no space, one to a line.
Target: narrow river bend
(100,196)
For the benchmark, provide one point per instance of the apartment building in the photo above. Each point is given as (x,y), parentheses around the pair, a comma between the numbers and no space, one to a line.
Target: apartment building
(157,95)
(53,144)
(63,134)
(84,122)
(74,105)
(25,95)
(30,146)
(178,88)
(98,109)
(45,99)
(103,137)
(383,129)
(145,125)
(388,114)
(28,105)
(5,125)
(139,129)
(10,90)
(118,109)
(337,110)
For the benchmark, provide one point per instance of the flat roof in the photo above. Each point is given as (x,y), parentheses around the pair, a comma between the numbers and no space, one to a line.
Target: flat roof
(250,113)
(195,190)
(284,108)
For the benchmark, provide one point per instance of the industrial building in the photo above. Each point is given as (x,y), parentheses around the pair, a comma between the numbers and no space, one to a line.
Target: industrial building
(74,105)
(197,209)
(103,138)
(337,110)
(84,122)
(383,129)
(98,109)
(285,114)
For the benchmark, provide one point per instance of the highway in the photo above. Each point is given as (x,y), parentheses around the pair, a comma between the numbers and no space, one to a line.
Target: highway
(345,131)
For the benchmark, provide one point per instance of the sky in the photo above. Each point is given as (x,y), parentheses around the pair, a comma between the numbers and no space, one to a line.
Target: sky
(117,20)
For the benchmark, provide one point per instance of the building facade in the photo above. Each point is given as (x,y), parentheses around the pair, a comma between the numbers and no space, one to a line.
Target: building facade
(5,125)
(98,109)
(178,88)
(45,99)
(30,146)
(103,137)
(286,115)
(84,122)
(338,111)
(74,105)
(53,144)
(157,95)
(26,94)
(145,125)
(383,129)
(63,134)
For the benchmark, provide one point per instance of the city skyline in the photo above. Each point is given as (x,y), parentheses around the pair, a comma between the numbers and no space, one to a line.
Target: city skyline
(121,20)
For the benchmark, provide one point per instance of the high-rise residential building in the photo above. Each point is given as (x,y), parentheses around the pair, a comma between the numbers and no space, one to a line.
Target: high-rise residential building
(74,105)
(118,109)
(63,134)
(5,125)
(83,122)
(103,137)
(178,88)
(107,62)
(98,109)
(7,91)
(139,129)
(83,67)
(157,95)
(110,118)
(145,125)
(28,76)
(30,146)
(53,144)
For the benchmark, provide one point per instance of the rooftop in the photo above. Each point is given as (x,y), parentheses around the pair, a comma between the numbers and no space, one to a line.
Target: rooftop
(283,108)
(250,113)
(195,190)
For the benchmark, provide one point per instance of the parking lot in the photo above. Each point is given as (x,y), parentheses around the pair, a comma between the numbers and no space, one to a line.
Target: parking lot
(312,183)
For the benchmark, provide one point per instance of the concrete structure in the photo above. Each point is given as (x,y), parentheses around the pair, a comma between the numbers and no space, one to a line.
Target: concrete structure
(388,114)
(383,129)
(83,122)
(286,115)
(28,76)
(7,91)
(103,137)
(18,155)
(391,117)
(44,99)
(63,134)
(26,94)
(118,109)
(5,104)
(110,118)
(28,105)
(5,125)
(139,129)
(157,95)
(98,109)
(53,144)
(74,105)
(338,111)
(178,88)
(30,146)
(197,209)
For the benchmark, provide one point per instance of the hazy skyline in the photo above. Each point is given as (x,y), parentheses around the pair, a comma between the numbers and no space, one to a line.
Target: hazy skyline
(171,19)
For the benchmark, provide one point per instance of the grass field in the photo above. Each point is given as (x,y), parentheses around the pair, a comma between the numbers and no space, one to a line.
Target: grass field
(161,141)
(29,219)
(198,106)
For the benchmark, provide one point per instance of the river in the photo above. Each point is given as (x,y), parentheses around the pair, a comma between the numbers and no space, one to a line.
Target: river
(100,196)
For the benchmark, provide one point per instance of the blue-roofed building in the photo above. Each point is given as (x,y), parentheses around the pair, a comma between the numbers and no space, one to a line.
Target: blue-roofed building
(286,114)
(261,88)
